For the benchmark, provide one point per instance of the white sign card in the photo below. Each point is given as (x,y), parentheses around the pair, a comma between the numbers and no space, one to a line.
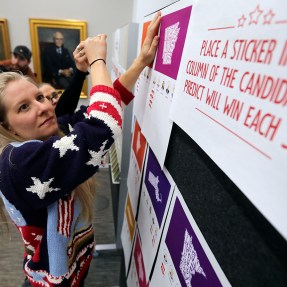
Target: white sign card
(120,46)
(141,92)
(156,125)
(117,70)
(137,276)
(231,96)
(184,258)
(138,151)
(156,194)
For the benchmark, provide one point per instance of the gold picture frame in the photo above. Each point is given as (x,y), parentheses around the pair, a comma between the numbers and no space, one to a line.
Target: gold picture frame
(41,32)
(5,48)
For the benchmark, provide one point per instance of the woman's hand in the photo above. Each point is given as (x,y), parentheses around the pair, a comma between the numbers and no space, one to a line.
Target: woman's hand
(146,56)
(80,57)
(149,47)
(96,48)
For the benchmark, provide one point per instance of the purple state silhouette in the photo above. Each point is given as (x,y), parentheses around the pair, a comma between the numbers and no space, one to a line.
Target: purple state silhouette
(157,185)
(190,261)
(172,37)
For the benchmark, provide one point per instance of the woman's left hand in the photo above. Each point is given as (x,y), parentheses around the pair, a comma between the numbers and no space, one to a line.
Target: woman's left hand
(80,57)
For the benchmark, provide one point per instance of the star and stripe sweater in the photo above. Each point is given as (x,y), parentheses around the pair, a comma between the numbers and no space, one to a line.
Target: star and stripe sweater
(37,182)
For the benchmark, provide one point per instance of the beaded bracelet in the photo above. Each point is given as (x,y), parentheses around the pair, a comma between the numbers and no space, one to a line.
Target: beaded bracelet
(96,61)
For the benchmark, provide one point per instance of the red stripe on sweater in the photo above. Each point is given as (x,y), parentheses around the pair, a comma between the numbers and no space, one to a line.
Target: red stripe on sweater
(59,224)
(65,216)
(72,201)
(106,90)
(108,108)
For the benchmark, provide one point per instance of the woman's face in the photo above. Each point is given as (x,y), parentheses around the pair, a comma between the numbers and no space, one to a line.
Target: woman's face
(29,114)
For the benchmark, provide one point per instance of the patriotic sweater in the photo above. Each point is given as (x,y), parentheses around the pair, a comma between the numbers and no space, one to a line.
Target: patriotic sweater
(37,182)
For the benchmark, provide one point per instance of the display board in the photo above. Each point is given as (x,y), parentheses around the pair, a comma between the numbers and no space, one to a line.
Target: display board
(205,206)
(240,237)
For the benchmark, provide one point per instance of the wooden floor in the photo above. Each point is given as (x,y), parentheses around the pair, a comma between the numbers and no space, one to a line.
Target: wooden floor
(105,267)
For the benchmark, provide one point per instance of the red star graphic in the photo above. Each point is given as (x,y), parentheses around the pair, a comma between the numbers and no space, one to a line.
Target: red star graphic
(254,15)
(241,21)
(268,17)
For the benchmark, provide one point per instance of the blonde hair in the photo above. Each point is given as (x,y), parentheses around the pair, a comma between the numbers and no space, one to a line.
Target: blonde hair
(85,191)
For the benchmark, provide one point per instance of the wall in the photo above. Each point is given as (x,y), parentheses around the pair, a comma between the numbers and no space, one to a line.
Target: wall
(142,8)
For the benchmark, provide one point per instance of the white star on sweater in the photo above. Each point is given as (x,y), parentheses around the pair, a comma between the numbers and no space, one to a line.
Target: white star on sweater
(96,157)
(41,188)
(70,128)
(65,143)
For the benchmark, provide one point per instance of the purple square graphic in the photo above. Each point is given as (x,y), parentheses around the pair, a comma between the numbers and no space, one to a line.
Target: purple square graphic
(157,186)
(172,37)
(178,228)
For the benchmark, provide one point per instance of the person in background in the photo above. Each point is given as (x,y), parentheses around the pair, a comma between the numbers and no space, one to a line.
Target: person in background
(50,93)
(58,62)
(46,176)
(19,62)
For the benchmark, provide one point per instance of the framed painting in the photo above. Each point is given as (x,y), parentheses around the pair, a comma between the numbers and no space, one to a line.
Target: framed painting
(5,49)
(46,37)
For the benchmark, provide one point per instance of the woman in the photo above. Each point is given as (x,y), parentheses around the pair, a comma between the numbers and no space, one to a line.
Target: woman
(45,176)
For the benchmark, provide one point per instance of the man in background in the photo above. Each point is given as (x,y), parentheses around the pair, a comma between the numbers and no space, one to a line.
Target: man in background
(21,58)
(58,62)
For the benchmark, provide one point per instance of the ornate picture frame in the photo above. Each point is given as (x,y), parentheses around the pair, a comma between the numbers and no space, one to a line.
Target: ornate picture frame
(5,48)
(41,32)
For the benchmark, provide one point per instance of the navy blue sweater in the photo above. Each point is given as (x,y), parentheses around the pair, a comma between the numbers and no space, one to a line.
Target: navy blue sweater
(37,182)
